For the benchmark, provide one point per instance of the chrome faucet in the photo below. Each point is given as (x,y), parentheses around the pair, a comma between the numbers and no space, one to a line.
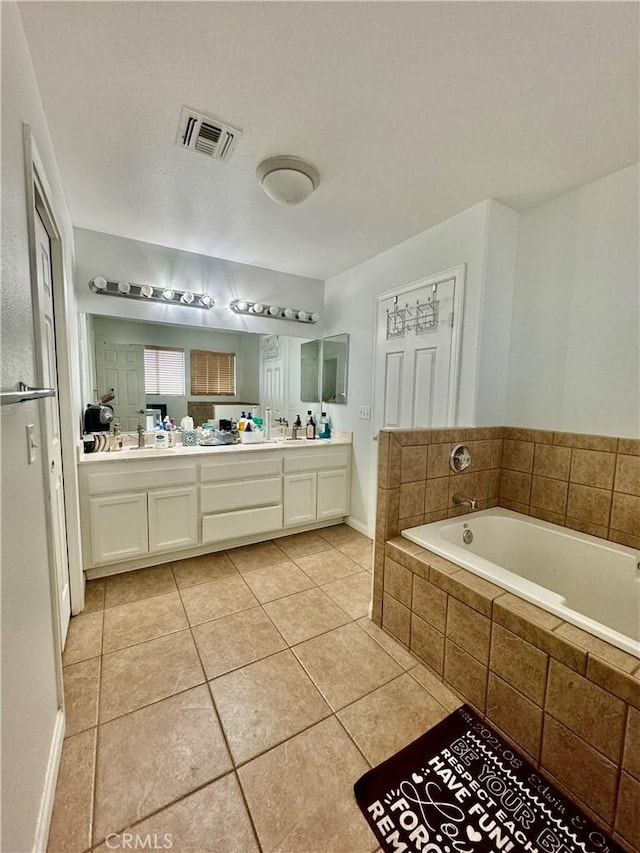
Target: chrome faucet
(140,436)
(462,500)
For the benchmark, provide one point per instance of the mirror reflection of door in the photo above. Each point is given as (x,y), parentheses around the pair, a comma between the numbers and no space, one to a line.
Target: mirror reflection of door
(274,356)
(310,372)
(335,367)
(121,367)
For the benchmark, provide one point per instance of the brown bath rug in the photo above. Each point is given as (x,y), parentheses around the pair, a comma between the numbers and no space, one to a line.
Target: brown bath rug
(460,788)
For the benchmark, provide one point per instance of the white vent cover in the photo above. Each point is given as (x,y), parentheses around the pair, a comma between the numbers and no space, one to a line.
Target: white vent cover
(207,135)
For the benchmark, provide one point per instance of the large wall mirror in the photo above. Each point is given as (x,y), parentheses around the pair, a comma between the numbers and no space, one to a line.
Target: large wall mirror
(324,369)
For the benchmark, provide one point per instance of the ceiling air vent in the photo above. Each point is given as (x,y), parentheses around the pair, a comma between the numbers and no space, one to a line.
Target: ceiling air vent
(207,135)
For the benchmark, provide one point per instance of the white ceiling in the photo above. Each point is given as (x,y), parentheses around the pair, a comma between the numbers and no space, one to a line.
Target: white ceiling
(411,112)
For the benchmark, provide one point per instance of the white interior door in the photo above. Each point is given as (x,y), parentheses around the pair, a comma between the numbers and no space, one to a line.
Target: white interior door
(52,415)
(121,367)
(417,338)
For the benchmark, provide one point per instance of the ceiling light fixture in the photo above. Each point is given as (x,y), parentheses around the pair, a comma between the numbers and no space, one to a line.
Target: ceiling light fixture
(287,180)
(127,290)
(274,312)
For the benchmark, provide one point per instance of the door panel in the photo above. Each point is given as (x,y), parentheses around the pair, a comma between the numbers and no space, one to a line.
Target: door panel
(121,367)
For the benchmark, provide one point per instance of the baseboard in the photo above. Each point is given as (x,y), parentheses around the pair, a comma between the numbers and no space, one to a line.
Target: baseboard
(50,782)
(357,525)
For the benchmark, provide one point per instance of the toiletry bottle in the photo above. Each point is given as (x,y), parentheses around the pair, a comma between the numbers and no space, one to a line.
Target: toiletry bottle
(311,425)
(297,426)
(325,432)
(267,424)
(242,422)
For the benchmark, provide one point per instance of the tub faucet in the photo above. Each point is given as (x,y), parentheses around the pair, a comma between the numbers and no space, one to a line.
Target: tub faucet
(462,500)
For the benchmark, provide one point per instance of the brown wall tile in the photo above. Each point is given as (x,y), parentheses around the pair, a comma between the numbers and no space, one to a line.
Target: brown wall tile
(469,630)
(438,460)
(414,464)
(586,527)
(412,521)
(480,454)
(627,474)
(628,539)
(427,643)
(583,441)
(590,712)
(496,452)
(519,663)
(395,463)
(629,446)
(411,499)
(592,468)
(625,513)
(396,619)
(466,674)
(437,494)
(631,761)
(518,455)
(516,715)
(552,461)
(628,811)
(383,458)
(546,515)
(430,603)
(467,587)
(579,767)
(621,684)
(589,504)
(398,581)
(541,436)
(515,486)
(549,494)
(595,646)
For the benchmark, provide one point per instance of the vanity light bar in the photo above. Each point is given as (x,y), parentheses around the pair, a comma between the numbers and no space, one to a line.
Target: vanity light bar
(275,312)
(150,293)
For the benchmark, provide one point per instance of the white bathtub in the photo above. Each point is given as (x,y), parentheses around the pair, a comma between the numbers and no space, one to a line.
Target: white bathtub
(587,581)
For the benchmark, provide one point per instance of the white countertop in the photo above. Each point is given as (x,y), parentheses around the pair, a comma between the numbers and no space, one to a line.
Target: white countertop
(140,454)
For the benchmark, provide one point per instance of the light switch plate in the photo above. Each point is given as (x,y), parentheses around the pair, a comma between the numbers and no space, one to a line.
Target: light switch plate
(364,413)
(31,444)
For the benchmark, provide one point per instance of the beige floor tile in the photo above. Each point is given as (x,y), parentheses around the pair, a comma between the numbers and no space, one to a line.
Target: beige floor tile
(145,673)
(305,614)
(341,534)
(249,557)
(236,640)
(218,598)
(391,717)
(94,595)
(391,646)
(195,570)
(84,638)
(141,583)
(328,566)
(352,593)
(276,581)
(81,690)
(345,664)
(72,810)
(155,755)
(302,544)
(142,620)
(300,794)
(436,688)
(265,703)
(360,552)
(212,820)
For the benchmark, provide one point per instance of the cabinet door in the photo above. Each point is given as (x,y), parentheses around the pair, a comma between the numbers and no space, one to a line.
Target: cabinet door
(173,519)
(118,527)
(299,498)
(333,493)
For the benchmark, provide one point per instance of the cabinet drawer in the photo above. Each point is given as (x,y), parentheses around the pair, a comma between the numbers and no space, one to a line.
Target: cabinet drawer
(130,478)
(245,522)
(303,460)
(240,494)
(259,465)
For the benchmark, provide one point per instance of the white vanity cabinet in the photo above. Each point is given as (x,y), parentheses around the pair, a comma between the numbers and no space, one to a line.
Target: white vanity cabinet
(118,526)
(316,485)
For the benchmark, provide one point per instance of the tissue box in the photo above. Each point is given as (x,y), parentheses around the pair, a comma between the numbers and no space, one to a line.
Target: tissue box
(189,438)
(253,437)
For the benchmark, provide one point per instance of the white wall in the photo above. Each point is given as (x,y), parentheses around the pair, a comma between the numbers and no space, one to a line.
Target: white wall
(350,307)
(117,258)
(29,663)
(574,356)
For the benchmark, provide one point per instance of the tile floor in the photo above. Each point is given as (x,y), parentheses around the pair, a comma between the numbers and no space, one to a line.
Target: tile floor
(229,702)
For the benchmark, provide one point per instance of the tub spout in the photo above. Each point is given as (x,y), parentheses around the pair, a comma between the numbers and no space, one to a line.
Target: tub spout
(462,500)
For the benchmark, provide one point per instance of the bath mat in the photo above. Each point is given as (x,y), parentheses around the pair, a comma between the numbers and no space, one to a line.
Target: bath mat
(460,788)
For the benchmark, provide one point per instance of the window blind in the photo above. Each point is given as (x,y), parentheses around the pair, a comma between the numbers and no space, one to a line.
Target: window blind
(213,373)
(164,371)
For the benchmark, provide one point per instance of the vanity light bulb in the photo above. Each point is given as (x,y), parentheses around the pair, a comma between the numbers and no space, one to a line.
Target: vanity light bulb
(100,282)
(315,317)
(302,315)
(124,287)
(147,291)
(187,297)
(241,305)
(167,293)
(289,313)
(206,300)
(258,308)
(274,310)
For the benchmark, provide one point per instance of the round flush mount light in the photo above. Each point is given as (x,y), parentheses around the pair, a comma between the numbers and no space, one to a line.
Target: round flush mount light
(99,282)
(287,180)
(146,290)
(168,293)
